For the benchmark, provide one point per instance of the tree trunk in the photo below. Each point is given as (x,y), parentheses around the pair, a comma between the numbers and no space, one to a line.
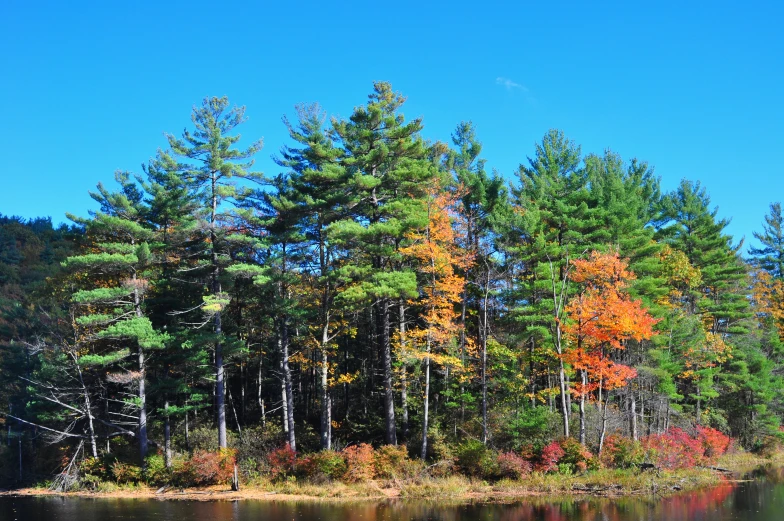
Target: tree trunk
(390,434)
(284,336)
(142,377)
(584,379)
(426,404)
(633,415)
(403,375)
(326,406)
(483,333)
(167,435)
(564,404)
(603,434)
(220,393)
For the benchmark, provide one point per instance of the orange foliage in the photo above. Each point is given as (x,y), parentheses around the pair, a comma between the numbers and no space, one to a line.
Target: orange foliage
(768,294)
(603,317)
(437,255)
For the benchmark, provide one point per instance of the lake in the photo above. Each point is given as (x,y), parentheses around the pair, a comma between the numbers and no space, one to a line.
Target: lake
(759,499)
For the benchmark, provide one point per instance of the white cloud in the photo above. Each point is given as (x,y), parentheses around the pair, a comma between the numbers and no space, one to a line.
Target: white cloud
(510,84)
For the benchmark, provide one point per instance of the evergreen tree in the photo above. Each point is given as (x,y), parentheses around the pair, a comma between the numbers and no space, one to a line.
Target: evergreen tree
(388,165)
(553,226)
(771,256)
(111,305)
(320,185)
(213,163)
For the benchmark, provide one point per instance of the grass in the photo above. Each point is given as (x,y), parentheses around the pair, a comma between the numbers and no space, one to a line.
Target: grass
(602,482)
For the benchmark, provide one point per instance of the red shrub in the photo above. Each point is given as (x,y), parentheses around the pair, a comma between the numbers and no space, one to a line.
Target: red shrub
(715,443)
(548,460)
(512,466)
(673,450)
(359,462)
(283,462)
(210,468)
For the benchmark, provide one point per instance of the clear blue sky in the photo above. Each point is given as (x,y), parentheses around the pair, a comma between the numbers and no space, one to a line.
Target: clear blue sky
(693,88)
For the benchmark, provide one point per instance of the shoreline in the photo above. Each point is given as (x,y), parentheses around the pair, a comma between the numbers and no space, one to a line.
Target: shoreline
(604,483)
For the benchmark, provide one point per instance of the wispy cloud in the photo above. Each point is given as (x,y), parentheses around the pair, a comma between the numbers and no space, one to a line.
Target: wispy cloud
(510,84)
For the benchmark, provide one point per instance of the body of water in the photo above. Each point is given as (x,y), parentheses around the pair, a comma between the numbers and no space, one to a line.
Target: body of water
(760,499)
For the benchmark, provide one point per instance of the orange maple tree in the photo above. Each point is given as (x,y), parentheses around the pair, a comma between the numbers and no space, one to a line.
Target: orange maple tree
(602,318)
(436,253)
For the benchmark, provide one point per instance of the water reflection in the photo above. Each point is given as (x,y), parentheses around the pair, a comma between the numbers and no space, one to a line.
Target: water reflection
(761,499)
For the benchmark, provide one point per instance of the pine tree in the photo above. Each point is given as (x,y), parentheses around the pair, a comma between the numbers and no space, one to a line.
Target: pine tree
(553,225)
(320,189)
(389,167)
(213,165)
(483,204)
(771,256)
(111,303)
(720,299)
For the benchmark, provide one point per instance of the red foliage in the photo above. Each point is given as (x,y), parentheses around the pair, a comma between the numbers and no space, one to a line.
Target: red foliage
(548,460)
(714,443)
(359,462)
(512,466)
(282,461)
(674,449)
(210,468)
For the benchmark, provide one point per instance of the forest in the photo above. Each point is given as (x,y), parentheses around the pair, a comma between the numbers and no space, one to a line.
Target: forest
(382,292)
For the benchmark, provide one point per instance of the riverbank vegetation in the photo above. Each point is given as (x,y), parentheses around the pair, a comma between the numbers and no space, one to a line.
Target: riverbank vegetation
(383,308)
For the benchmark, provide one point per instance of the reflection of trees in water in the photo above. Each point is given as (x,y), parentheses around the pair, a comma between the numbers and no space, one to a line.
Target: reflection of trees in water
(761,499)
(713,504)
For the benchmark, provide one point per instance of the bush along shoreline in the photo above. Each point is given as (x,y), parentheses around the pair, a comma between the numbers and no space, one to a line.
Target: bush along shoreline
(656,464)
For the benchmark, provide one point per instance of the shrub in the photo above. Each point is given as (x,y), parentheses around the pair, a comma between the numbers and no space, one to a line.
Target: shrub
(714,443)
(125,472)
(392,462)
(475,459)
(326,465)
(674,449)
(282,462)
(204,439)
(155,472)
(512,466)
(550,456)
(96,467)
(206,468)
(256,442)
(620,452)
(576,456)
(359,463)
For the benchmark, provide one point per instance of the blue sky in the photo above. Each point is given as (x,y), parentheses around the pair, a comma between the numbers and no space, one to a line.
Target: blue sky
(692,88)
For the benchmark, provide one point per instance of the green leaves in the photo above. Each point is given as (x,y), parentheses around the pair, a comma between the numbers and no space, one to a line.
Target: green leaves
(101,296)
(137,329)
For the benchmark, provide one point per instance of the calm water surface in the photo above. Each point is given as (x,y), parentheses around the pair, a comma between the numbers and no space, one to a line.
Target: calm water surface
(761,499)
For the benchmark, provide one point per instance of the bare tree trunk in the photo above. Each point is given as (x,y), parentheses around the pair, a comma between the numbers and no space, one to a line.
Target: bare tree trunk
(167,435)
(390,434)
(284,400)
(633,415)
(603,434)
(220,393)
(88,409)
(403,375)
(484,333)
(326,406)
(426,404)
(187,430)
(584,380)
(289,398)
(142,377)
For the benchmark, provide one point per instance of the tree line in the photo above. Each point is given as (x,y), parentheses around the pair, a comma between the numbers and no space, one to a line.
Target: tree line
(387,288)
